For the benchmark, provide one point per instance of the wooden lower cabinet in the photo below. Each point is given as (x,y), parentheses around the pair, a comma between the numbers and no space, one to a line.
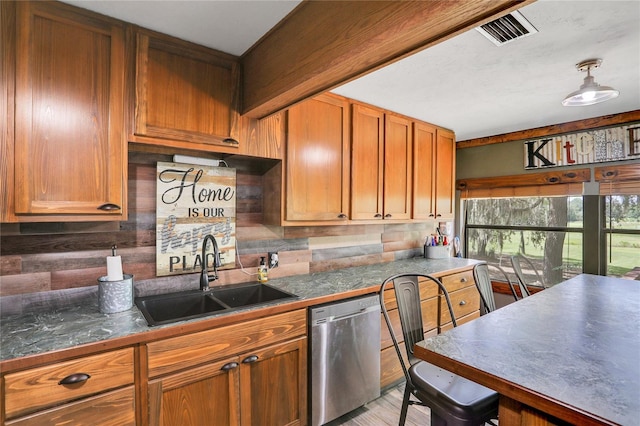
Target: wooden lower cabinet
(273,387)
(465,301)
(207,394)
(100,387)
(254,373)
(262,387)
(115,408)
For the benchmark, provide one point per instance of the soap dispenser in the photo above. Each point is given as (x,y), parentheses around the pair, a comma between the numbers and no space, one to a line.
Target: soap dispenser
(263,271)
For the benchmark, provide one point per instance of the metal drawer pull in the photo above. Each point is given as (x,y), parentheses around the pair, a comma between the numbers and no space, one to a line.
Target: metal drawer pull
(109,207)
(74,378)
(342,216)
(229,366)
(463,279)
(250,359)
(462,303)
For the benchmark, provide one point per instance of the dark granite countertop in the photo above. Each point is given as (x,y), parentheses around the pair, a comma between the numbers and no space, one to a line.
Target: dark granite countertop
(571,350)
(58,328)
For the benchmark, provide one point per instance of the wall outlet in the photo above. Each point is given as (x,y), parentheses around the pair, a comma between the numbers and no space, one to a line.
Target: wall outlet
(273,259)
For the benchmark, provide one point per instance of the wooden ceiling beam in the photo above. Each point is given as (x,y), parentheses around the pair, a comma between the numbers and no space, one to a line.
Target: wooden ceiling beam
(554,130)
(323,44)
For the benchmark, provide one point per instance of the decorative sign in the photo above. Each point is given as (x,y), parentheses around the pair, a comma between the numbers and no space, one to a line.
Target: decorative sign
(592,146)
(192,202)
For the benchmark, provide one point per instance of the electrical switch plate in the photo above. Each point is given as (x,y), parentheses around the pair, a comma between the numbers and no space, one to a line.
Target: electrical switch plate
(273,259)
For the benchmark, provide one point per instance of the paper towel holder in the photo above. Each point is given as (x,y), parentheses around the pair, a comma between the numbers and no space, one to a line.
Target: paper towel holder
(115,296)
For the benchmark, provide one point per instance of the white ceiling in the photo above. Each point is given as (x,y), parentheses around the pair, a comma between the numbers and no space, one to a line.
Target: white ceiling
(467,83)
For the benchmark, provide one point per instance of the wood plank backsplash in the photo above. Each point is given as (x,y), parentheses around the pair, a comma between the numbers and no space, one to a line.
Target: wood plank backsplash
(40,257)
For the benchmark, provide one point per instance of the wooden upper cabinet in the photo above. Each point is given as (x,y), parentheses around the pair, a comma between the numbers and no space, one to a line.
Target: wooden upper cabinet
(367,162)
(424,148)
(444,167)
(317,160)
(397,167)
(186,94)
(433,172)
(70,151)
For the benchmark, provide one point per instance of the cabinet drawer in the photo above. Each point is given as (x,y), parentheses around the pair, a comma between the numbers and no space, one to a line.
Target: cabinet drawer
(457,281)
(31,390)
(185,351)
(463,301)
(116,408)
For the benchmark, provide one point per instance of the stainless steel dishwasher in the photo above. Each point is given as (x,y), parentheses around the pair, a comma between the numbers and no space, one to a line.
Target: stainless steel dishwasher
(345,357)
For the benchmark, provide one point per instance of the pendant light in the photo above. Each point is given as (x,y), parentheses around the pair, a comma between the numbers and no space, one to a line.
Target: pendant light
(590,92)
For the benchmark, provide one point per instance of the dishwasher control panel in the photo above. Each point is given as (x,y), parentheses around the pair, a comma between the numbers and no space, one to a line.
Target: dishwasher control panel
(330,311)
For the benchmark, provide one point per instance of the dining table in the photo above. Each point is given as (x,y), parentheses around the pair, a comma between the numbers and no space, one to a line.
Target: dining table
(569,354)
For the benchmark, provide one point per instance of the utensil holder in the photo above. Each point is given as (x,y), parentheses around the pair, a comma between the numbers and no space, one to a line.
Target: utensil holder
(115,296)
(436,252)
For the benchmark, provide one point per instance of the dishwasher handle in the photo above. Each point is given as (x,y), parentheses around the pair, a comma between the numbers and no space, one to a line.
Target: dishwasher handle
(348,315)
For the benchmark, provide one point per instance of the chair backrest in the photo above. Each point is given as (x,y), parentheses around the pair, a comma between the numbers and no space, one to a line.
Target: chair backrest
(406,288)
(483,284)
(482,277)
(517,269)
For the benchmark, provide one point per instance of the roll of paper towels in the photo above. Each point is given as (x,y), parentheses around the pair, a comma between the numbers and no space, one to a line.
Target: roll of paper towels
(114,268)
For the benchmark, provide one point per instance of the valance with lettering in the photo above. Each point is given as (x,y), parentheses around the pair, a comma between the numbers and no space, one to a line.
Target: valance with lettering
(591,146)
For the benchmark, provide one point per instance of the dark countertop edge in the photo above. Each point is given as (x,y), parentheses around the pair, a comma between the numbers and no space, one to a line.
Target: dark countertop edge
(201,324)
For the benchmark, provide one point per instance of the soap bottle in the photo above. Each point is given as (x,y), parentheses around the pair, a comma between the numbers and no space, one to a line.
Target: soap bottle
(262,271)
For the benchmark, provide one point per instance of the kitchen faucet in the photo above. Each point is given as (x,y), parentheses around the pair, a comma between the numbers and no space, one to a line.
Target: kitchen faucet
(204,275)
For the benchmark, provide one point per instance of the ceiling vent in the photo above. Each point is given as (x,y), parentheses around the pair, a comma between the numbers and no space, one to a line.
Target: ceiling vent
(507,29)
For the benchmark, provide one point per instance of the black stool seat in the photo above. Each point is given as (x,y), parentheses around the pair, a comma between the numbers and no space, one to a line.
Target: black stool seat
(454,399)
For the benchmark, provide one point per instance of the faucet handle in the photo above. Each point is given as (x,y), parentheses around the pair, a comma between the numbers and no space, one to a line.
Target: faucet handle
(204,281)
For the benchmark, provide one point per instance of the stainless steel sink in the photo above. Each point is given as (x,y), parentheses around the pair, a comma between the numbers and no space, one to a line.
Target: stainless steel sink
(172,307)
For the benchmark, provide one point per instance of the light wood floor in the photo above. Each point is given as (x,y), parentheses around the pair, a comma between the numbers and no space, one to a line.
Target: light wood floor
(385,411)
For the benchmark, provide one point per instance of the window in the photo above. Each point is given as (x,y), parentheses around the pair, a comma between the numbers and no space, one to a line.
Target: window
(560,230)
(622,232)
(547,230)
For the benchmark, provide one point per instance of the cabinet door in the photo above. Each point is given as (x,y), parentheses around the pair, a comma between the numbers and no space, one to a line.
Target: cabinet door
(70,150)
(204,395)
(367,162)
(445,174)
(273,383)
(397,167)
(185,92)
(317,167)
(424,170)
